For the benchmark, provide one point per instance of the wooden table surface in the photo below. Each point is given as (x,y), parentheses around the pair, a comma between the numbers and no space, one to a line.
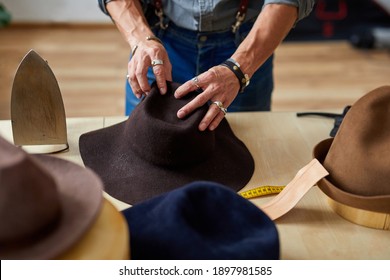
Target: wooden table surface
(281,144)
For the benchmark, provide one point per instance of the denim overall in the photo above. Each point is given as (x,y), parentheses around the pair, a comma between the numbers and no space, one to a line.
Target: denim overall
(192,53)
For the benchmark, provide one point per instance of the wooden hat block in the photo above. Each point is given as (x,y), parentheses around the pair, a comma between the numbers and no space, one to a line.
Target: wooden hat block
(107,239)
(361,217)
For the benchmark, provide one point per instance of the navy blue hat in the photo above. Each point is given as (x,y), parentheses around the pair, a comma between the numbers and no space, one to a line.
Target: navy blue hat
(201,221)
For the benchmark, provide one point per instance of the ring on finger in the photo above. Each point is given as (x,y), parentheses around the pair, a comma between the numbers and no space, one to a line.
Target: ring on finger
(195,80)
(156,62)
(220,106)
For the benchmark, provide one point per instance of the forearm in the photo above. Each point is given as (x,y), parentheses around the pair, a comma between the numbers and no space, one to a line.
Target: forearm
(269,30)
(130,20)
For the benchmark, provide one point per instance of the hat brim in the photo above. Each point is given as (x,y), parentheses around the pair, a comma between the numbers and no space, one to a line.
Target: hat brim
(371,203)
(131,179)
(80,194)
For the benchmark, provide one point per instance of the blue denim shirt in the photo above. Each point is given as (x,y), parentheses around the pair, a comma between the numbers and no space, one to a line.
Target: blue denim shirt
(203,15)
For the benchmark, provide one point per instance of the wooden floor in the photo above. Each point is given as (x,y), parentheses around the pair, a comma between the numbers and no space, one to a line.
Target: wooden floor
(90,65)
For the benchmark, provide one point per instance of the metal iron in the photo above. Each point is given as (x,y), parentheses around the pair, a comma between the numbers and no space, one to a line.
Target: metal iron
(37,110)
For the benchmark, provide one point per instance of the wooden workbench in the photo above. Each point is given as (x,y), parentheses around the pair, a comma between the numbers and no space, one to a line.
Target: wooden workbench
(281,144)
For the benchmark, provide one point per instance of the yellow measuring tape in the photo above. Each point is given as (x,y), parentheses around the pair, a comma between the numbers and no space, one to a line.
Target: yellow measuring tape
(261,191)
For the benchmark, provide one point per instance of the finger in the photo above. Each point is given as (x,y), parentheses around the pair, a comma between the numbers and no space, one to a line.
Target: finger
(211,114)
(162,72)
(133,81)
(135,88)
(159,74)
(217,120)
(162,69)
(186,88)
(141,76)
(158,58)
(197,102)
(168,71)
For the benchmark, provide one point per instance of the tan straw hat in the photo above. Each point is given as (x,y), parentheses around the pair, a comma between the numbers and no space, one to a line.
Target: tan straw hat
(358,159)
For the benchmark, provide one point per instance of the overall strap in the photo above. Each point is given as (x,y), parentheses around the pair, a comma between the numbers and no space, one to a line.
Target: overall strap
(158,10)
(240,16)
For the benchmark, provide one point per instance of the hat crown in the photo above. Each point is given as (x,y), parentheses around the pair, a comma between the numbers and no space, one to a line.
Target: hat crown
(157,135)
(208,220)
(154,151)
(358,159)
(29,202)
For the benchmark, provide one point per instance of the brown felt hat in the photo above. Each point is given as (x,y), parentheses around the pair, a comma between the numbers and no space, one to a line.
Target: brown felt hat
(153,151)
(358,158)
(46,203)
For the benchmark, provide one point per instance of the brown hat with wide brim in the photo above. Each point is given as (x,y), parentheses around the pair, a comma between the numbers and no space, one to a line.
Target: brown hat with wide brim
(358,158)
(154,151)
(46,203)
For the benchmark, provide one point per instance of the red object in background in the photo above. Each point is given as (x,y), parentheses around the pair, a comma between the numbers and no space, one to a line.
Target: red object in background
(329,16)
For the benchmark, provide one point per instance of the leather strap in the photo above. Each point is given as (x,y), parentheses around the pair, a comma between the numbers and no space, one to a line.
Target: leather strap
(243,7)
(240,16)
(158,4)
(160,13)
(306,177)
(243,79)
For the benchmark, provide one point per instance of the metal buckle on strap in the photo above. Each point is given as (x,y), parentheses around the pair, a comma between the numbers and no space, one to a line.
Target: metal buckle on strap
(240,16)
(160,14)
(158,10)
(239,19)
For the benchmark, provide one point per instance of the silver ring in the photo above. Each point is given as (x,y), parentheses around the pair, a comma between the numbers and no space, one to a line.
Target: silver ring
(220,106)
(196,81)
(157,62)
(127,76)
